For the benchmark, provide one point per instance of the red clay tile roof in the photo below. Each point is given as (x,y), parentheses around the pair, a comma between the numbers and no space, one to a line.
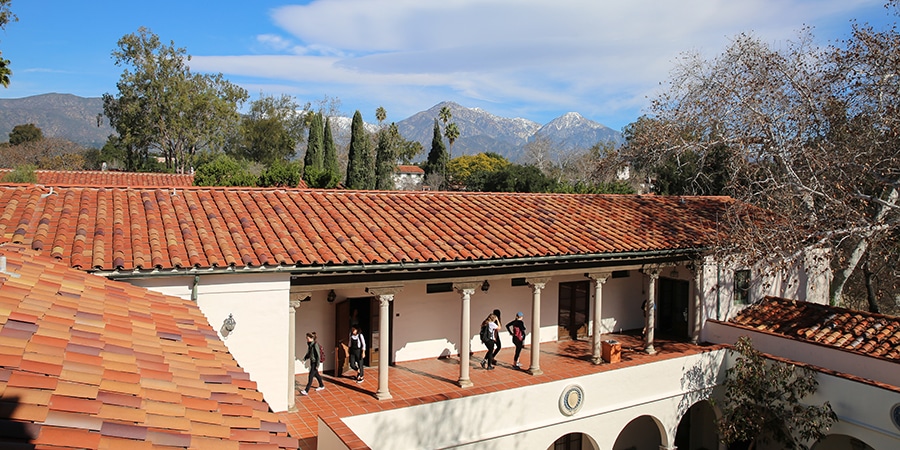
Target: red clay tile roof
(862,332)
(121,228)
(108,178)
(86,362)
(410,169)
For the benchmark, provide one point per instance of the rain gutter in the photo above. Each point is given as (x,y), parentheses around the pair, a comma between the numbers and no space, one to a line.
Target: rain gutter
(337,269)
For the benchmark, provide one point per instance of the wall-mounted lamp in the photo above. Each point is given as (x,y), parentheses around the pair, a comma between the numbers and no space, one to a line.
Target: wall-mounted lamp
(331,296)
(228,326)
(485,286)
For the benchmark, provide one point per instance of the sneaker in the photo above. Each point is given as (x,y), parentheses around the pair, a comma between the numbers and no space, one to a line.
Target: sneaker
(303,392)
(320,388)
(490,368)
(359,380)
(483,363)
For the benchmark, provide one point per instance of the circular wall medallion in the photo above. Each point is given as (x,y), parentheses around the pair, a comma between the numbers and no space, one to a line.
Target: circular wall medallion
(895,415)
(571,399)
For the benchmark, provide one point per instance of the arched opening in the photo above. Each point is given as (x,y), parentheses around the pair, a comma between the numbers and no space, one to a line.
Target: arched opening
(697,429)
(573,441)
(642,432)
(841,442)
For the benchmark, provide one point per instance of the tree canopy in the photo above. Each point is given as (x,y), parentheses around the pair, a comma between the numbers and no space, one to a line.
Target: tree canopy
(6,16)
(762,402)
(271,130)
(28,132)
(162,106)
(360,164)
(808,132)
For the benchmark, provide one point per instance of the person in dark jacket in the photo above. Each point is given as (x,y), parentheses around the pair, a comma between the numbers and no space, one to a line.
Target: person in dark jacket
(312,354)
(492,325)
(357,352)
(516,329)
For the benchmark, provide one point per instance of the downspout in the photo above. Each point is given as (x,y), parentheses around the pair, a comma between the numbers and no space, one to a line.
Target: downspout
(194,288)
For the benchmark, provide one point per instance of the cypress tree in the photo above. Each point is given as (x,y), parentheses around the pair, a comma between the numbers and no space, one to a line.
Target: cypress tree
(384,161)
(359,158)
(331,165)
(437,157)
(313,161)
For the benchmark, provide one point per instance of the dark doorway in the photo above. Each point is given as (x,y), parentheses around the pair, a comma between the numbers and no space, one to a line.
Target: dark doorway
(673,308)
(364,312)
(574,309)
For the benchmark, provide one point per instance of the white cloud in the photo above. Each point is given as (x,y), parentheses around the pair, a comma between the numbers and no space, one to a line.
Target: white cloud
(568,55)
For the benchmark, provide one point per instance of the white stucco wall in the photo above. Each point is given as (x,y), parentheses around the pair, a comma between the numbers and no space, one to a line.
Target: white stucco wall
(530,417)
(259,305)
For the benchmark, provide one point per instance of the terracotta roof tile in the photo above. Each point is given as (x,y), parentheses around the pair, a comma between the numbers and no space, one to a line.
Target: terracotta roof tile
(871,334)
(95,384)
(150,228)
(108,178)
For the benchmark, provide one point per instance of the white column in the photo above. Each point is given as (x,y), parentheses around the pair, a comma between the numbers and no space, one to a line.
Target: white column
(651,312)
(385,297)
(698,301)
(292,351)
(465,292)
(599,280)
(537,285)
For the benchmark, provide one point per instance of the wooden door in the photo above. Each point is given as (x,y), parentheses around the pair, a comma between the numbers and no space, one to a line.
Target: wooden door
(574,310)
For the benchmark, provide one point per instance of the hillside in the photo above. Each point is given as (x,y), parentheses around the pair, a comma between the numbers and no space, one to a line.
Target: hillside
(57,115)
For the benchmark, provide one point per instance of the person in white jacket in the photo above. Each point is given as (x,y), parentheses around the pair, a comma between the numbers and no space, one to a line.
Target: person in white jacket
(357,352)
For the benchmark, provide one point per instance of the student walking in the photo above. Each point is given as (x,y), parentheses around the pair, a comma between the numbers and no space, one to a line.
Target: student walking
(357,352)
(516,329)
(496,336)
(489,337)
(314,355)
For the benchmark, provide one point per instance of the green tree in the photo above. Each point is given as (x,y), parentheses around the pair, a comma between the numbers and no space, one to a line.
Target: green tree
(512,178)
(762,402)
(280,174)
(332,173)
(360,173)
(162,106)
(385,159)
(28,132)
(314,161)
(223,170)
(270,130)
(438,158)
(463,168)
(6,16)
(21,174)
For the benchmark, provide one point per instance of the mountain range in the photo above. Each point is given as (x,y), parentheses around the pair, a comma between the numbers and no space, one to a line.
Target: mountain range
(80,120)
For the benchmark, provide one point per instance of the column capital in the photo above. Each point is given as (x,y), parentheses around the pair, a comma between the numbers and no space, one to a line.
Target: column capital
(385,291)
(294,304)
(467,287)
(652,272)
(599,277)
(537,283)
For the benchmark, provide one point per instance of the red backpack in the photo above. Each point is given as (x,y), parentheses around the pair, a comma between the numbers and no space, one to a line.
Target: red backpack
(321,353)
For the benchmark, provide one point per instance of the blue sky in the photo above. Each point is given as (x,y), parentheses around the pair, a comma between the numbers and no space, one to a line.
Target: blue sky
(535,59)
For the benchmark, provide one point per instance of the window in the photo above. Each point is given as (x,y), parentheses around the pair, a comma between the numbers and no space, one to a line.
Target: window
(438,287)
(570,441)
(742,287)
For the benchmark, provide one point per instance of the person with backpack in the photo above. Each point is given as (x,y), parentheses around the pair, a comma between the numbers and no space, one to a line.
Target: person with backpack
(357,352)
(516,329)
(488,336)
(315,355)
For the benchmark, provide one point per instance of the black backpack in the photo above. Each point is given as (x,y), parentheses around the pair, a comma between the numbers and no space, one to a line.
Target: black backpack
(486,334)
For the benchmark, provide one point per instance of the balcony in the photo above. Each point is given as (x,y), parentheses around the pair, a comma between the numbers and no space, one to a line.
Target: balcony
(434,380)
